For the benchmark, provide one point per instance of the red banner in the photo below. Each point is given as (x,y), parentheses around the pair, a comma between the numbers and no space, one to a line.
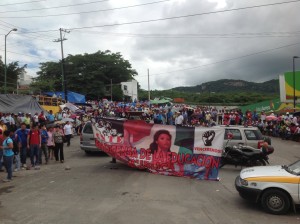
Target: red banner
(162,149)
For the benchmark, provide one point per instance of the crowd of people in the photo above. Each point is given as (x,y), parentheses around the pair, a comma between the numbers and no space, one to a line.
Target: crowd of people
(35,136)
(283,124)
(41,137)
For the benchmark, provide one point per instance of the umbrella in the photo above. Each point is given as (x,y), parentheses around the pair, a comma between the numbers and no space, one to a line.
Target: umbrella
(271,118)
(67,119)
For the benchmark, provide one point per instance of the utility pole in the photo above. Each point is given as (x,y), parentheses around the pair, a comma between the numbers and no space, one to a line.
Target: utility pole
(63,74)
(5,68)
(148,86)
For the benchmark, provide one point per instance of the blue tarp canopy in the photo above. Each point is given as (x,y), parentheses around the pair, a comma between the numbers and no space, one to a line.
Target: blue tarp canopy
(72,96)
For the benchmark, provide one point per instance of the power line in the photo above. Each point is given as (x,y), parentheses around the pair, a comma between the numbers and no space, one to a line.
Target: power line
(54,7)
(224,35)
(21,3)
(226,60)
(93,11)
(185,16)
(9,26)
(170,18)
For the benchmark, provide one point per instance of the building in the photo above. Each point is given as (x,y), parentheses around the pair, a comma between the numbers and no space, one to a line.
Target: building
(130,89)
(24,81)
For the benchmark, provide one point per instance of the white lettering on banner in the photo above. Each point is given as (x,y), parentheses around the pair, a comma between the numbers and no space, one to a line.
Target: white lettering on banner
(208,150)
(265,108)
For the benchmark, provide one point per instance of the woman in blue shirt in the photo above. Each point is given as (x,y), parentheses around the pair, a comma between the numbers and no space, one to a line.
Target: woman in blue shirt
(8,155)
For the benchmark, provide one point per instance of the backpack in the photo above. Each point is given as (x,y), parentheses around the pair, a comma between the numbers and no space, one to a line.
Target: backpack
(16,146)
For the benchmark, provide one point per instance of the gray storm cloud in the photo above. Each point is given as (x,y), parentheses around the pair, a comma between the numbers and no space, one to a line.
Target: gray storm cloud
(179,52)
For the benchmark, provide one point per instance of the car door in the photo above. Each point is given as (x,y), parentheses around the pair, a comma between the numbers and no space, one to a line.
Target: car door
(236,139)
(253,136)
(88,139)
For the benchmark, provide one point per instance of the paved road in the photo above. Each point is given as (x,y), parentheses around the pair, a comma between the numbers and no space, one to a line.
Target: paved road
(95,191)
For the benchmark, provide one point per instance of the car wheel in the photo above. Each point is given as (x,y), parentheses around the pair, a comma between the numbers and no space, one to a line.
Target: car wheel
(275,202)
(87,152)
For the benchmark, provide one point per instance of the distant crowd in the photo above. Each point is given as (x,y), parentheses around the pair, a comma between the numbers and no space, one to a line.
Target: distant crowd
(41,137)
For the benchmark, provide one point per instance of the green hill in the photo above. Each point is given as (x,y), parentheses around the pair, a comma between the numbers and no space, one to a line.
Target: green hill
(232,86)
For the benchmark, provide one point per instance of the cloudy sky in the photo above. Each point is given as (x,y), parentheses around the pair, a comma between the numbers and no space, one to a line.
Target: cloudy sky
(181,42)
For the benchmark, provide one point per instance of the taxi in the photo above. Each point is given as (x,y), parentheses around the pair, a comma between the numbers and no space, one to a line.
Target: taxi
(276,188)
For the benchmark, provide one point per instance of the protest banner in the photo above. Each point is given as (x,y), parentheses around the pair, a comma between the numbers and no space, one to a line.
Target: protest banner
(162,149)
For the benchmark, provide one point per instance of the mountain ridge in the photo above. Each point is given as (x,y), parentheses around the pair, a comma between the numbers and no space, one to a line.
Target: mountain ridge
(231,86)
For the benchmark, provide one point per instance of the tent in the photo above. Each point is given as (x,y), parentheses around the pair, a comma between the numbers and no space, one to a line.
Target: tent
(72,96)
(162,100)
(12,103)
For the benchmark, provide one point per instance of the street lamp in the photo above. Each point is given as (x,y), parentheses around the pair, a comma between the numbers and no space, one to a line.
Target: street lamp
(5,84)
(294,82)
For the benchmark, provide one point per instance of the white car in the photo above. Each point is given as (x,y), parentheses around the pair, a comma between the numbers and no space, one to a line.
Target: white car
(275,187)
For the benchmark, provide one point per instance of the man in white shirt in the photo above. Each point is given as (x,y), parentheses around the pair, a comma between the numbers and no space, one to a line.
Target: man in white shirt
(179,119)
(68,132)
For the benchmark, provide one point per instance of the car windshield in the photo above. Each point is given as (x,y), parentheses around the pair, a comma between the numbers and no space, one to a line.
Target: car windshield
(293,168)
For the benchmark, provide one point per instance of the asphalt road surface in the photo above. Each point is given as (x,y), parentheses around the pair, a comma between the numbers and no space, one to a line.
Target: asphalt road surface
(96,191)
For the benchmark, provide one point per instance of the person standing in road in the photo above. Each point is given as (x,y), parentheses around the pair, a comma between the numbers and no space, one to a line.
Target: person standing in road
(68,132)
(8,155)
(16,150)
(22,134)
(1,150)
(58,136)
(34,143)
(44,148)
(50,143)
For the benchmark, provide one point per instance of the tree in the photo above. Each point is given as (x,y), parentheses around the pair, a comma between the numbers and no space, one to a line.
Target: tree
(87,74)
(13,72)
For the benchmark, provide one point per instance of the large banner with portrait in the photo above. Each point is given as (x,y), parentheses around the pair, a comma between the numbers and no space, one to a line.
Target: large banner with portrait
(162,149)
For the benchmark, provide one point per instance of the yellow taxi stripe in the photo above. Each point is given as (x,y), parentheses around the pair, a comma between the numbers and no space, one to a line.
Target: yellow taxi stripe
(279,179)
